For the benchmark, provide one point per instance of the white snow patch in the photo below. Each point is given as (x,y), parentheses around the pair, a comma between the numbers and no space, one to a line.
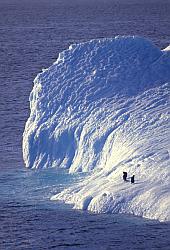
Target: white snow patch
(167,48)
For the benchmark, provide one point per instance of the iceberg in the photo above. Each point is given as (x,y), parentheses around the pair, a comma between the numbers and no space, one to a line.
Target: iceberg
(103,108)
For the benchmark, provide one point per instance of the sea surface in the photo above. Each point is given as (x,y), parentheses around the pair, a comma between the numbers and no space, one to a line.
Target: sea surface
(29,220)
(32,33)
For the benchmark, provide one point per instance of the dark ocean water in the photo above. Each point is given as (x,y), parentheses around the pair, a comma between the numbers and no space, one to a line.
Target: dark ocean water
(32,33)
(29,220)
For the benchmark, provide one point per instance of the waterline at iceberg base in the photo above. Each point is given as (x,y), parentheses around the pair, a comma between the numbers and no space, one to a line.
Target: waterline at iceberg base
(102,108)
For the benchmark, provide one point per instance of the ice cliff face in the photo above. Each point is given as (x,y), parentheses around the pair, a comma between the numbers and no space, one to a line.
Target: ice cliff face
(103,106)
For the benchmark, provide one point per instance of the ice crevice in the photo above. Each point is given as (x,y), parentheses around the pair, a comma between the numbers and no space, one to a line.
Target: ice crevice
(103,108)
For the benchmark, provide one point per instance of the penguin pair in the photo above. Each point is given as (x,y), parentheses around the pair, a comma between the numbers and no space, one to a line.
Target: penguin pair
(132,179)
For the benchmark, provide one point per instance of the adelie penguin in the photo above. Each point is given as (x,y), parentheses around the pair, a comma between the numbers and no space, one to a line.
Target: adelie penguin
(132,179)
(125,176)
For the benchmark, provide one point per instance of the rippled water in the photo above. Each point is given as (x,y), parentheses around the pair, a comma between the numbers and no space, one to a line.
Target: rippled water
(29,220)
(32,33)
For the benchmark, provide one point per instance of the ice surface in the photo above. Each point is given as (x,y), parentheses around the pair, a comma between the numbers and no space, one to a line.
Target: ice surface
(102,108)
(167,48)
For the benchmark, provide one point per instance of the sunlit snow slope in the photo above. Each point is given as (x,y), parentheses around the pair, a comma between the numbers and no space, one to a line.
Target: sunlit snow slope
(103,106)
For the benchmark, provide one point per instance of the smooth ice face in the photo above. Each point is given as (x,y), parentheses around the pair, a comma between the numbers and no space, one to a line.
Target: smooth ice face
(103,106)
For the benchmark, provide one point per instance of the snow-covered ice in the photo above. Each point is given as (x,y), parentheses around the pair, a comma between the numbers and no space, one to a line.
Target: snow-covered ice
(102,108)
(167,48)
